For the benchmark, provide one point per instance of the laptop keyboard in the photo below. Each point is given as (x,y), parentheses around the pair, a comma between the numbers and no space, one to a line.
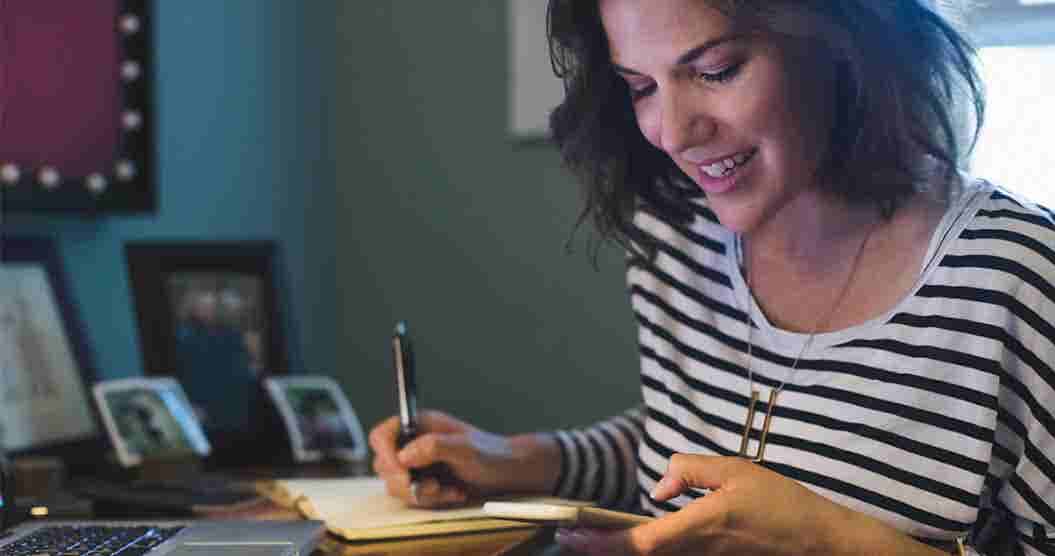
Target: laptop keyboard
(90,540)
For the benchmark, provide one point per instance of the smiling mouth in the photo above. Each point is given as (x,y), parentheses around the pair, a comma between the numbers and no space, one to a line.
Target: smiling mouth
(728,165)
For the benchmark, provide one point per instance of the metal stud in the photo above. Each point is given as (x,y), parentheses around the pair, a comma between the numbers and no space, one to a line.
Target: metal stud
(125,170)
(96,183)
(130,70)
(10,173)
(131,119)
(129,24)
(49,177)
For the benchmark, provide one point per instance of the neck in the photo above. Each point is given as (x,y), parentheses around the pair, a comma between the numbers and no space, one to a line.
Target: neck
(810,230)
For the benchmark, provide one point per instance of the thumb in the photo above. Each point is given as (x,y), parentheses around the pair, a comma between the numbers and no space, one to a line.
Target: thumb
(687,471)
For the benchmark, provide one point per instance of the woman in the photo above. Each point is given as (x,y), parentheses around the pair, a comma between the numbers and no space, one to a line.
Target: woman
(843,339)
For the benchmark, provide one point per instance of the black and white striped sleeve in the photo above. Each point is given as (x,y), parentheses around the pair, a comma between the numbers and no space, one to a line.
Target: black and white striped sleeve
(1023,464)
(1022,467)
(599,462)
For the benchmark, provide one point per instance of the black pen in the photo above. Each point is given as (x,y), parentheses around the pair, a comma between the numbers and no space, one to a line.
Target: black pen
(406,390)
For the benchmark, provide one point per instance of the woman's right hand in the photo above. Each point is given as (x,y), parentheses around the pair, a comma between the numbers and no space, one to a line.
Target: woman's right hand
(482,463)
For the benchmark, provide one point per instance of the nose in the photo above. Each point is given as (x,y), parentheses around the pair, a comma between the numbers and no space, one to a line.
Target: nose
(684,122)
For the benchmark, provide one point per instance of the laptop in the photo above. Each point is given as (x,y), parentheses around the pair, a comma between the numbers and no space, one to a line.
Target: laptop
(155,537)
(162,538)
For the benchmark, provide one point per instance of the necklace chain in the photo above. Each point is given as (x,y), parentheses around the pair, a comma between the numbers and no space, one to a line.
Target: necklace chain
(805,345)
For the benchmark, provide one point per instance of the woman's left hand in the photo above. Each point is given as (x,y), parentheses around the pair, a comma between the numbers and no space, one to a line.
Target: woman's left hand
(751,510)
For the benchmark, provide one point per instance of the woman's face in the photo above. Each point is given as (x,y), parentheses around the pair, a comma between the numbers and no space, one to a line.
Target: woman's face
(745,115)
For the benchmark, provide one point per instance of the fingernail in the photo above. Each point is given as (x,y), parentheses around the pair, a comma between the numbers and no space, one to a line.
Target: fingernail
(662,485)
(414,492)
(570,539)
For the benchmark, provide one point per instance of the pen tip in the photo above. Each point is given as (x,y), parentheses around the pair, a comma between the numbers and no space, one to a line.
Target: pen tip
(401,327)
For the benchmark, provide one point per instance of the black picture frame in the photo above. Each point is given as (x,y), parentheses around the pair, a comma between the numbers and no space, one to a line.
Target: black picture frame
(42,252)
(128,184)
(168,279)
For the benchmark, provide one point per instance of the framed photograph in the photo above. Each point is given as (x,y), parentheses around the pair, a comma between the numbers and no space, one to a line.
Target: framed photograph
(149,418)
(77,120)
(45,362)
(208,315)
(318,418)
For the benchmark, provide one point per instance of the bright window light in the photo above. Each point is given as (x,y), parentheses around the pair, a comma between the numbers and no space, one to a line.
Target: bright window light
(1016,148)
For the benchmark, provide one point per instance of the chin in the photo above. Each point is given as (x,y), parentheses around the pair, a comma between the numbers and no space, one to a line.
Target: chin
(739,215)
(733,218)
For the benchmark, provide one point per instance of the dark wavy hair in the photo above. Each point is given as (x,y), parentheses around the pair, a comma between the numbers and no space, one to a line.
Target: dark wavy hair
(902,73)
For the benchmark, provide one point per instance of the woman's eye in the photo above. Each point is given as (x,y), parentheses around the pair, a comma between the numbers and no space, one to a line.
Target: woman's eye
(720,76)
(641,92)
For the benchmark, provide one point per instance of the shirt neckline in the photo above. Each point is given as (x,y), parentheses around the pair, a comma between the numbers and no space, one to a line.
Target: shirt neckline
(789,343)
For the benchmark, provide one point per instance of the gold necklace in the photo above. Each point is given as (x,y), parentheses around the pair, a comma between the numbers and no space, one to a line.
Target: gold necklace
(752,408)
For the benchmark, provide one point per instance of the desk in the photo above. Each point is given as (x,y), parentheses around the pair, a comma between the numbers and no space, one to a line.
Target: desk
(520,542)
(517,542)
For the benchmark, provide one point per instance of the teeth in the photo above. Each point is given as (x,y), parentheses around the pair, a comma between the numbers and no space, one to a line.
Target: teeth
(715,170)
(722,167)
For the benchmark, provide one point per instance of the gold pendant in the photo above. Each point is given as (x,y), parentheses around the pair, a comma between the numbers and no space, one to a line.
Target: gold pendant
(750,421)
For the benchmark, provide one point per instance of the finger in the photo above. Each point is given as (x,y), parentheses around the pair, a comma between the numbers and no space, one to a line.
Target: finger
(432,448)
(384,466)
(595,542)
(674,532)
(383,436)
(432,494)
(397,485)
(691,471)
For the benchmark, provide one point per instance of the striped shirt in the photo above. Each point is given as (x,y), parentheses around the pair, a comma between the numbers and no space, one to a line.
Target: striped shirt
(937,417)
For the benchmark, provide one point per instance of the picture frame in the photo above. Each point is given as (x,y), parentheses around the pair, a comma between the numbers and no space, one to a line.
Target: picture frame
(208,314)
(149,419)
(319,420)
(7,492)
(45,358)
(77,130)
(533,91)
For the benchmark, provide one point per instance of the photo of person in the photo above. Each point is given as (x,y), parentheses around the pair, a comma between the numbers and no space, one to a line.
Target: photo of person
(319,420)
(217,336)
(149,418)
(318,417)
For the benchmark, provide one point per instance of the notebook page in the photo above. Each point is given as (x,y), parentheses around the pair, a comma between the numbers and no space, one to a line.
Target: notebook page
(362,503)
(359,508)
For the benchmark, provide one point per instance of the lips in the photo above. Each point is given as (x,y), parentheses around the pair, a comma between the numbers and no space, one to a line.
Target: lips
(722,174)
(725,166)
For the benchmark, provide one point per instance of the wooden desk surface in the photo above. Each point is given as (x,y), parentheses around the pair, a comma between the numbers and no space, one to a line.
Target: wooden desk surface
(519,542)
(516,542)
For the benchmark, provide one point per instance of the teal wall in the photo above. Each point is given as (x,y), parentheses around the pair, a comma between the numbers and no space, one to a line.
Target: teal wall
(243,116)
(437,217)
(446,222)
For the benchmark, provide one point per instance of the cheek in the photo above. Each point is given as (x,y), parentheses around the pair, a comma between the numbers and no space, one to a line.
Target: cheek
(648,122)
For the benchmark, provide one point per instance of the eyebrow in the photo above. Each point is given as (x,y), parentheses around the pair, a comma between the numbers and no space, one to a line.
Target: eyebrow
(687,58)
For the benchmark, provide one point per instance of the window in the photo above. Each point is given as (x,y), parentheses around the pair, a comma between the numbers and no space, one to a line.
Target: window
(1016,147)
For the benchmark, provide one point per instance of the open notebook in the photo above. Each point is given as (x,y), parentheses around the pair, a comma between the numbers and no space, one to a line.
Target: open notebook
(359,509)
